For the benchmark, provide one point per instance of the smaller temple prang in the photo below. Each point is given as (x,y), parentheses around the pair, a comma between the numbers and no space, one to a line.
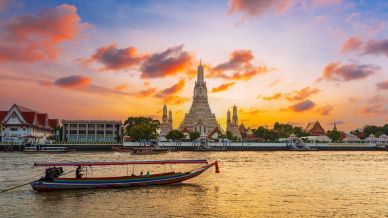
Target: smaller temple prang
(166,125)
(232,125)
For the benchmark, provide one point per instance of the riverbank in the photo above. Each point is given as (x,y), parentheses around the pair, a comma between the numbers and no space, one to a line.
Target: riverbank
(189,146)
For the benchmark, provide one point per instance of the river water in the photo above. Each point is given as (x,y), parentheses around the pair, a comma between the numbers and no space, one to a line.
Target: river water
(251,184)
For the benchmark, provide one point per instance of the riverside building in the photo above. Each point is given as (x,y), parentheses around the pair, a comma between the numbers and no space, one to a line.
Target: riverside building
(91,131)
(24,125)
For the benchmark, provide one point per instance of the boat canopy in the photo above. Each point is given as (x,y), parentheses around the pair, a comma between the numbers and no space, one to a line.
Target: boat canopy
(63,164)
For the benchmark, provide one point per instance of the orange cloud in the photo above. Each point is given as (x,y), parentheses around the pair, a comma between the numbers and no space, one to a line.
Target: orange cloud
(247,75)
(302,94)
(240,64)
(324,110)
(147,92)
(346,72)
(223,87)
(31,38)
(113,58)
(373,110)
(302,106)
(238,59)
(351,44)
(171,90)
(74,81)
(174,99)
(167,63)
(121,87)
(273,97)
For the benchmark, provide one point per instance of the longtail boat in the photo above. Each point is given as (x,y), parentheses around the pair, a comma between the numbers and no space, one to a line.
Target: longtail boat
(141,150)
(53,180)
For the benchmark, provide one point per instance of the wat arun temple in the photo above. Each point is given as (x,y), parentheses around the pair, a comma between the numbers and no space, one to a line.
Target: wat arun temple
(200,118)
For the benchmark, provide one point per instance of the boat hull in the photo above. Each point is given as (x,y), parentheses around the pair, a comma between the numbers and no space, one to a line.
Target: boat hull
(141,151)
(117,182)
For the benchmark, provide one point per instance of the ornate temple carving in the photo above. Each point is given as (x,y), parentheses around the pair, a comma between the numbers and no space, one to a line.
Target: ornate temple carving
(200,117)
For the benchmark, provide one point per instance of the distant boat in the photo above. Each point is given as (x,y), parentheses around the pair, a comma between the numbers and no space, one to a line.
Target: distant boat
(141,150)
(46,149)
(52,181)
(296,144)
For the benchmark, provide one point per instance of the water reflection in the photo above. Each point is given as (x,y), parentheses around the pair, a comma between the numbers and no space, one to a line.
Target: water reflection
(251,184)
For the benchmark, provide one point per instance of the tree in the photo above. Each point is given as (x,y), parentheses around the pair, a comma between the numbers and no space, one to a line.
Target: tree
(194,135)
(229,135)
(370,129)
(142,128)
(141,132)
(133,121)
(385,129)
(175,135)
(334,135)
(299,132)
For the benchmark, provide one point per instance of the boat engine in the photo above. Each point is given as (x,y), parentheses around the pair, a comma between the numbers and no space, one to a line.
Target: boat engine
(52,173)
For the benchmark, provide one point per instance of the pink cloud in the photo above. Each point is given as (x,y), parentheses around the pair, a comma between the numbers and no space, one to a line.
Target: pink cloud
(324,110)
(376,47)
(238,59)
(113,58)
(74,81)
(347,72)
(172,61)
(373,110)
(240,65)
(250,8)
(31,38)
(382,85)
(302,106)
(351,44)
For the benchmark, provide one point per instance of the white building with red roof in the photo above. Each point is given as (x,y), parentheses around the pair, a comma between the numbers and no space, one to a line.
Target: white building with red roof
(20,125)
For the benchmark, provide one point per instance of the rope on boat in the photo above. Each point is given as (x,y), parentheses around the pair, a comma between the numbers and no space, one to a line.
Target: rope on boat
(15,187)
(24,184)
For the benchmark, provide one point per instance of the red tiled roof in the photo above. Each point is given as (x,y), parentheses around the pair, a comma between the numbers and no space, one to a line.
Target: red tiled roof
(2,115)
(216,130)
(53,123)
(185,130)
(41,119)
(29,117)
(33,117)
(23,109)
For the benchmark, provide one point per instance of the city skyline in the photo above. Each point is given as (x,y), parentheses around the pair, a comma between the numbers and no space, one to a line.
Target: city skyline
(282,60)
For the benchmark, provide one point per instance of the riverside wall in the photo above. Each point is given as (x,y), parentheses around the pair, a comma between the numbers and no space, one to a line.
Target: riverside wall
(213,146)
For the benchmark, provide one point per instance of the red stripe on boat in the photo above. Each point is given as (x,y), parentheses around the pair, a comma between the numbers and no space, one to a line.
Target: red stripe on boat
(121,163)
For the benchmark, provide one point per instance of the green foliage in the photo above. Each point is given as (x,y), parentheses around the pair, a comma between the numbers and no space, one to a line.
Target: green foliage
(229,135)
(279,131)
(194,135)
(142,128)
(334,135)
(140,132)
(370,129)
(175,135)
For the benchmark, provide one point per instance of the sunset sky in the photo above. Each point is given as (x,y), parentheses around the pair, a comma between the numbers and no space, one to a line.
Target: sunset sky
(292,61)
